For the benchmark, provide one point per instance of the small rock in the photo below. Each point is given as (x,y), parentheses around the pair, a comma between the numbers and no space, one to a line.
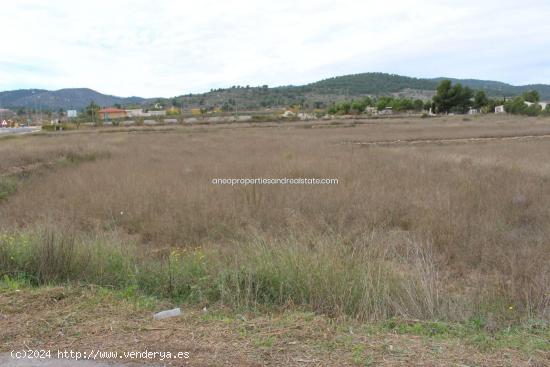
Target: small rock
(520,200)
(166,314)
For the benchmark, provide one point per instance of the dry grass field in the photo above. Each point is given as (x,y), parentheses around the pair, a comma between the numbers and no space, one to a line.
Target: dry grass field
(438,220)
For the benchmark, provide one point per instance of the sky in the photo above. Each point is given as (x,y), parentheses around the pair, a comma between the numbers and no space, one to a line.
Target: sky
(166,48)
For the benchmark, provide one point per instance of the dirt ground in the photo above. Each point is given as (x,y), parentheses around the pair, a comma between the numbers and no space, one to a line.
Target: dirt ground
(88,319)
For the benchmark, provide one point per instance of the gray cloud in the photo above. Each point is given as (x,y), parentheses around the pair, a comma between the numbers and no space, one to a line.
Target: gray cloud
(171,47)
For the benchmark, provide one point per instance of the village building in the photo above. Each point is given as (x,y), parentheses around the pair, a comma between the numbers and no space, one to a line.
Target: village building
(111,113)
(371,110)
(156,113)
(139,112)
(386,111)
(288,114)
(541,104)
(136,112)
(499,109)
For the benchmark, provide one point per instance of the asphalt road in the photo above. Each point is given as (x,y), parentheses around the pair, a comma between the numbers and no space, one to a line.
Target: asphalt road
(7,361)
(18,130)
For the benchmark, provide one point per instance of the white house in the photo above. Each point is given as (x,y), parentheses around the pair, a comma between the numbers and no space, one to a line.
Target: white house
(135,112)
(371,110)
(138,112)
(386,111)
(541,104)
(499,109)
(288,114)
(156,113)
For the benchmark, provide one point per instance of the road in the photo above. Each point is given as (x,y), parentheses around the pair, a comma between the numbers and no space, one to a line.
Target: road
(7,361)
(18,130)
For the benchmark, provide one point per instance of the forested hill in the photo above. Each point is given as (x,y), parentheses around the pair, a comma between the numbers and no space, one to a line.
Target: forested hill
(70,98)
(324,92)
(317,94)
(381,83)
(370,83)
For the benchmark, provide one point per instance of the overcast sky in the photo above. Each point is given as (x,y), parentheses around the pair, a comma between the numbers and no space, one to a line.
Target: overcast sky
(166,48)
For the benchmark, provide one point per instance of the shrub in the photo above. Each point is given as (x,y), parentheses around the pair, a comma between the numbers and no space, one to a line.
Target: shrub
(8,186)
(49,127)
(518,106)
(329,277)
(68,126)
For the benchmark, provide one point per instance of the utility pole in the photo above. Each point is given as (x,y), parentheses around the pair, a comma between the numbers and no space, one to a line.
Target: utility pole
(40,108)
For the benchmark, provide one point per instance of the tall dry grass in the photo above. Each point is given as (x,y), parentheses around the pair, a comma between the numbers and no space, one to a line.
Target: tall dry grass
(404,232)
(363,279)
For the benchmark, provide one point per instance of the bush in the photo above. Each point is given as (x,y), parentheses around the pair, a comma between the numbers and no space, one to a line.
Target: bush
(8,186)
(49,127)
(328,278)
(46,256)
(68,126)
(517,106)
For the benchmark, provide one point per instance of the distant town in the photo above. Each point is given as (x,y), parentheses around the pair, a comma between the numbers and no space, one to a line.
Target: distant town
(344,97)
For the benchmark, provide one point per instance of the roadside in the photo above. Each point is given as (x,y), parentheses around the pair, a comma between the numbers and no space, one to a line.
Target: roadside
(87,318)
(19,130)
(7,361)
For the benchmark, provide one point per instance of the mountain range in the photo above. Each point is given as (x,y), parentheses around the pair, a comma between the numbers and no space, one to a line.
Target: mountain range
(70,98)
(318,93)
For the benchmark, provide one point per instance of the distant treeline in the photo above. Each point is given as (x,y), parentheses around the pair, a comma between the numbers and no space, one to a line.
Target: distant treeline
(380,103)
(456,98)
(339,95)
(449,98)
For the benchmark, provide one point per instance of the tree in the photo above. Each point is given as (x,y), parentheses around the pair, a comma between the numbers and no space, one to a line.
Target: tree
(515,106)
(443,99)
(462,98)
(518,106)
(429,105)
(418,105)
(318,105)
(384,102)
(92,111)
(358,106)
(480,99)
(531,96)
(368,102)
(341,108)
(452,98)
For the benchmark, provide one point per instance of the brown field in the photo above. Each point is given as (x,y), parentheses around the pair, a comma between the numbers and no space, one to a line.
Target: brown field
(443,219)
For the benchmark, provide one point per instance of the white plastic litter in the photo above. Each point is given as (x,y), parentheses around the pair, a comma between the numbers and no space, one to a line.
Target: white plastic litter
(168,313)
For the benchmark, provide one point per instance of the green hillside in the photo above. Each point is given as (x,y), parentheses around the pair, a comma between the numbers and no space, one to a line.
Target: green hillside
(370,83)
(324,92)
(69,98)
(314,95)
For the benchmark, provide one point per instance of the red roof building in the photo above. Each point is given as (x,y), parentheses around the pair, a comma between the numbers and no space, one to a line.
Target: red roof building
(112,113)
